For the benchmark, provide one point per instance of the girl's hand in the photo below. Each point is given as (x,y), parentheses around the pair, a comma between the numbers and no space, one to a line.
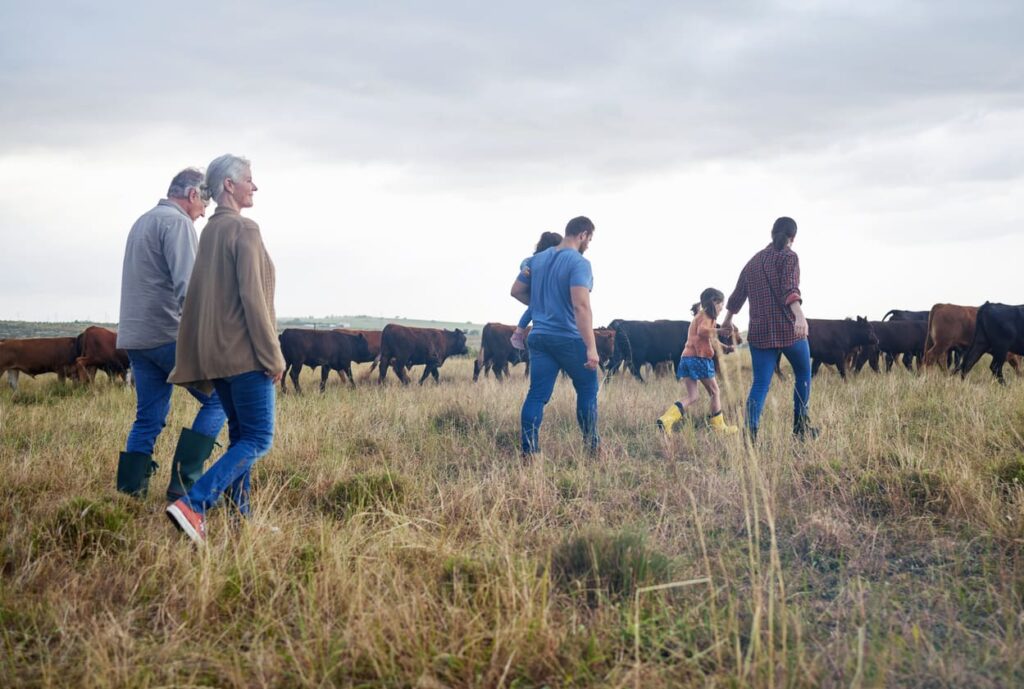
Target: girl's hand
(728,349)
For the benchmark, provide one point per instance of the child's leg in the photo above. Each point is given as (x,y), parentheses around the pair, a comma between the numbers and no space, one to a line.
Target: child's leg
(711,385)
(692,392)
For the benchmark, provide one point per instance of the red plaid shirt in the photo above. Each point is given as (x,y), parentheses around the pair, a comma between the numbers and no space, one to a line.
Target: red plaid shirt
(771,280)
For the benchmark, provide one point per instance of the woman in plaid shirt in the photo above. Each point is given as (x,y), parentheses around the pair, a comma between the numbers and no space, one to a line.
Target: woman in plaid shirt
(771,281)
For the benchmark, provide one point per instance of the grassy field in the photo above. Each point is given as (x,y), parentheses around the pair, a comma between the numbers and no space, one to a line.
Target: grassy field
(417,550)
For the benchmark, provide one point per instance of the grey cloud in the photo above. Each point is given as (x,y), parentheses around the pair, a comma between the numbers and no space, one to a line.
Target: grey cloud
(475,90)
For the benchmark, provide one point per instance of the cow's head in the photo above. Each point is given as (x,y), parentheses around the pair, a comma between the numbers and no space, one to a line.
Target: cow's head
(456,342)
(864,334)
(362,347)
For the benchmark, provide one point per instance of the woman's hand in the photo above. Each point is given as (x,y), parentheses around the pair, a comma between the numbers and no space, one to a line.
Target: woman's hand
(592,359)
(275,378)
(728,349)
(800,327)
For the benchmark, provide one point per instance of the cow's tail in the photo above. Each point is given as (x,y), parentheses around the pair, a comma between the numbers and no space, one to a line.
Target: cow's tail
(888,313)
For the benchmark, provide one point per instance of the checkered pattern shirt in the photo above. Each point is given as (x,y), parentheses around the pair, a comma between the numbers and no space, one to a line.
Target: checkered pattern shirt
(771,281)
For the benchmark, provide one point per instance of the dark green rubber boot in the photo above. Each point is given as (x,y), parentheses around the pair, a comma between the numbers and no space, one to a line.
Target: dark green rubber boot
(189,456)
(133,472)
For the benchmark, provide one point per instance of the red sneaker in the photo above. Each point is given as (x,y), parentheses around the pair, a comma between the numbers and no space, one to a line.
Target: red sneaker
(187,520)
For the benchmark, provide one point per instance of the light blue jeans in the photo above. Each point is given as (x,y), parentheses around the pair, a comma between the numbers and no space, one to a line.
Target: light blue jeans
(150,368)
(248,399)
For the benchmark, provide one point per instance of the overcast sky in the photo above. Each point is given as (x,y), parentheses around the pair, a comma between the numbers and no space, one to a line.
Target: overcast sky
(408,155)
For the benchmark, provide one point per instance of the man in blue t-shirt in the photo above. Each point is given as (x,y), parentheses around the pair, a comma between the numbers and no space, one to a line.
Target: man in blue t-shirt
(557,289)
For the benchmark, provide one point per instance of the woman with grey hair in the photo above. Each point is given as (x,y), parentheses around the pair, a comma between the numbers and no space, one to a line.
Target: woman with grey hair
(228,342)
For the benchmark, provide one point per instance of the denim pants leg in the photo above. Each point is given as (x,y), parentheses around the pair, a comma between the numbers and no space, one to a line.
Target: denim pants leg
(249,400)
(550,354)
(152,397)
(799,356)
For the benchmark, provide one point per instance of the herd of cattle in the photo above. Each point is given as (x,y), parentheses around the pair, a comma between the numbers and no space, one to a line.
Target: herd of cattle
(948,335)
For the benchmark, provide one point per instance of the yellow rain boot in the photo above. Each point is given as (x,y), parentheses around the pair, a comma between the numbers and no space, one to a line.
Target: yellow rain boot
(667,420)
(718,425)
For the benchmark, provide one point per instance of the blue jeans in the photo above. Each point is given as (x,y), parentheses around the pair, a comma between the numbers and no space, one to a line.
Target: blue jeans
(526,318)
(799,356)
(248,399)
(550,354)
(150,368)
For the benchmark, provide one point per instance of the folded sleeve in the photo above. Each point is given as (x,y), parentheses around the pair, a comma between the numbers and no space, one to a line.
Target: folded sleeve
(791,280)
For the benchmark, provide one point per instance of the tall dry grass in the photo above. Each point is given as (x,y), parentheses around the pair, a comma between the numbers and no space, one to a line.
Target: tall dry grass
(417,550)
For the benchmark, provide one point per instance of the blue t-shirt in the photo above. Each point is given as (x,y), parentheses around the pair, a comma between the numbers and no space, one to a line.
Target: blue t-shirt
(550,275)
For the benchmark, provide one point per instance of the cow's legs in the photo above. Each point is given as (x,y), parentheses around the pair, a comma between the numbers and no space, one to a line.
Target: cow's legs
(284,376)
(998,359)
(296,370)
(325,372)
(841,365)
(978,347)
(12,379)
(426,372)
(400,371)
(815,365)
(348,372)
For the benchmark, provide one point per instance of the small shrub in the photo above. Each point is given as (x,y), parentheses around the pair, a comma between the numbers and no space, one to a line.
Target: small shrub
(1011,474)
(364,492)
(461,575)
(926,492)
(600,562)
(454,420)
(89,527)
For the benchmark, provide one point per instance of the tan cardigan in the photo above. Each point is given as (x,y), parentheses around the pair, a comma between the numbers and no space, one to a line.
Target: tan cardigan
(227,323)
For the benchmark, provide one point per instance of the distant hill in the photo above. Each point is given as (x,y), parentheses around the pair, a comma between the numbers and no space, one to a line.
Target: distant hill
(44,329)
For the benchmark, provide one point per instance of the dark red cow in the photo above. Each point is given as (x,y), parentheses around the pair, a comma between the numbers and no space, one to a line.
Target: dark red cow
(497,352)
(401,347)
(329,349)
(37,355)
(97,349)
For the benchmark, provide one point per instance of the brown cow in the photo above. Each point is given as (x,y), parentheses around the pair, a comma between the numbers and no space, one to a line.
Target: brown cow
(36,355)
(605,340)
(328,349)
(372,343)
(97,349)
(497,352)
(401,347)
(950,327)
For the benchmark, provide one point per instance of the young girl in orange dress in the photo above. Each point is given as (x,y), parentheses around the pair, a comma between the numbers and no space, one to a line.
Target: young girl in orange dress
(697,364)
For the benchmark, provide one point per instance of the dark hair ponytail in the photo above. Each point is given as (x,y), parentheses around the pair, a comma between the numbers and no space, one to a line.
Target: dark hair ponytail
(707,301)
(783,230)
(547,240)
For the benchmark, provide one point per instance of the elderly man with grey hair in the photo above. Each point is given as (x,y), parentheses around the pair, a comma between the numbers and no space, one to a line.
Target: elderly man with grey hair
(158,261)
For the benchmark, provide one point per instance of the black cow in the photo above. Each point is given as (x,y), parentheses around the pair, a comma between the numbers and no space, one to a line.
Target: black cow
(999,331)
(647,342)
(330,349)
(895,339)
(901,315)
(497,353)
(832,341)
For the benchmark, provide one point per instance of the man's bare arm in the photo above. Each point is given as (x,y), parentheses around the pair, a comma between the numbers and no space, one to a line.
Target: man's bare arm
(521,291)
(585,323)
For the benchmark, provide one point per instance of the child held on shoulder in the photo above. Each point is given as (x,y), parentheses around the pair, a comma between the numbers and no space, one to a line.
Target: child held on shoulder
(697,365)
(547,240)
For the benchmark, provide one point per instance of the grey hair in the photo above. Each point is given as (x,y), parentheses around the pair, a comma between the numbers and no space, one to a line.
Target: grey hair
(189,178)
(225,167)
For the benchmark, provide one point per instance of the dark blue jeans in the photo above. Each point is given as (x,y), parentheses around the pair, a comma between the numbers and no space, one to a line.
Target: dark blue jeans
(550,354)
(150,368)
(248,399)
(799,356)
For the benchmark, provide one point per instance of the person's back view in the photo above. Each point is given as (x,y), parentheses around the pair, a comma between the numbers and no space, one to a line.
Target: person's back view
(159,256)
(557,287)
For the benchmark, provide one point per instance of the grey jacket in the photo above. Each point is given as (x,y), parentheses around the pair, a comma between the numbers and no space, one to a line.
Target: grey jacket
(158,262)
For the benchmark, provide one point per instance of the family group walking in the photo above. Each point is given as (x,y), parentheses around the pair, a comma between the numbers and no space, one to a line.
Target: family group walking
(555,283)
(200,314)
